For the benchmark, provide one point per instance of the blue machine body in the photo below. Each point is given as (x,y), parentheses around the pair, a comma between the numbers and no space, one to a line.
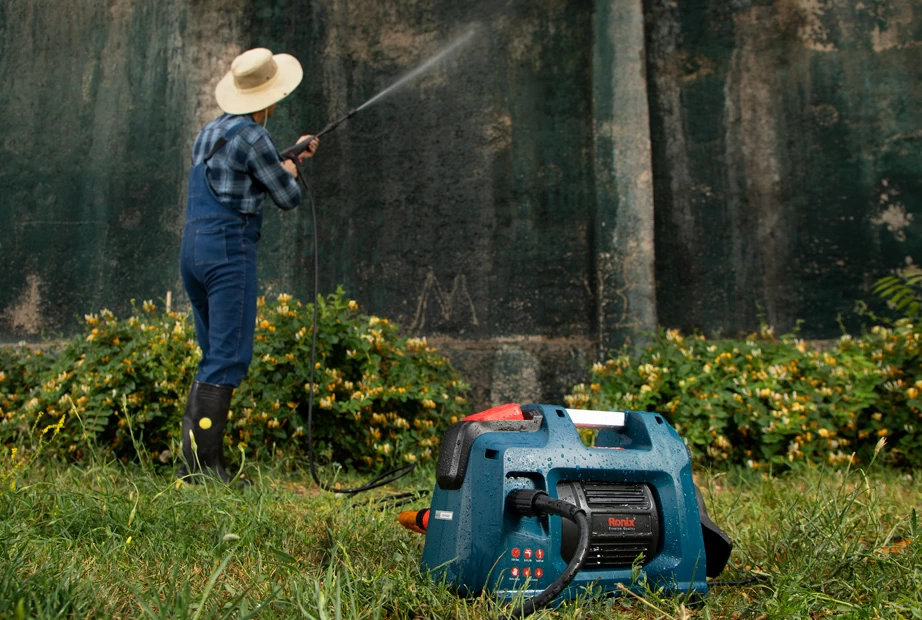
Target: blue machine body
(477,543)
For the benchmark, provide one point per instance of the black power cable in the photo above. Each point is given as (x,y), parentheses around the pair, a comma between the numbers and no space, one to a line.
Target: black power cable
(531,503)
(388,476)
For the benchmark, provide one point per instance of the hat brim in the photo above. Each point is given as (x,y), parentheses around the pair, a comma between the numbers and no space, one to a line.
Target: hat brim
(233,101)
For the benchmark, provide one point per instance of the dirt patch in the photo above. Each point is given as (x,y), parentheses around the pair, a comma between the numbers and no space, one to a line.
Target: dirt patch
(25,315)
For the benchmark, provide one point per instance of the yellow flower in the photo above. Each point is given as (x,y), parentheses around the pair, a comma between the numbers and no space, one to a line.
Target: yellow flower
(353,305)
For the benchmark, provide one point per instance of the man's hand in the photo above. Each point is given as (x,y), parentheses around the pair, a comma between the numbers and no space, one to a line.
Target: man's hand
(290,167)
(311,148)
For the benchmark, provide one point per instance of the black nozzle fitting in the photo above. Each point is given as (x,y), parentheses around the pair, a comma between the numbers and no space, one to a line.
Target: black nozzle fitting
(530,503)
(522,502)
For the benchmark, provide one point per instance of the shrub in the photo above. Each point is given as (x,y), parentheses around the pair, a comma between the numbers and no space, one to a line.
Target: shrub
(119,377)
(756,401)
(769,400)
(123,383)
(19,367)
(897,410)
(377,397)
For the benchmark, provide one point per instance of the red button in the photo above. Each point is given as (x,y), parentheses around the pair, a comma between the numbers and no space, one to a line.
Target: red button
(516,552)
(539,553)
(526,572)
(514,571)
(527,553)
(539,573)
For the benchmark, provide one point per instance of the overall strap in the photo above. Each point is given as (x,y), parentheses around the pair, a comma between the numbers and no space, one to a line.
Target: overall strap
(233,131)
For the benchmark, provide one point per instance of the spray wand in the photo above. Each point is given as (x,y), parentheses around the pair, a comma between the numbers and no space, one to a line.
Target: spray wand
(293,151)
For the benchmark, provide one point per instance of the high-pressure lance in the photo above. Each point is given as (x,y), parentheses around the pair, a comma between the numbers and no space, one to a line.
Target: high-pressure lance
(293,151)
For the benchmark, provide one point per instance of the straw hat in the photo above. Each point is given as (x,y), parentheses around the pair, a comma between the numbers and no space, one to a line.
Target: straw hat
(257,79)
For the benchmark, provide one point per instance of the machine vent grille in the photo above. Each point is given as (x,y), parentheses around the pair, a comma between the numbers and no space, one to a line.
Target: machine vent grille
(616,495)
(616,554)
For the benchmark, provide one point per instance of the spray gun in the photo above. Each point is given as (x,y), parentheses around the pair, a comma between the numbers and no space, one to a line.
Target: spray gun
(293,151)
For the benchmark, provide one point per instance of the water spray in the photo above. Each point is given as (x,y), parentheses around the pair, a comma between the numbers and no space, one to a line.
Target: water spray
(293,151)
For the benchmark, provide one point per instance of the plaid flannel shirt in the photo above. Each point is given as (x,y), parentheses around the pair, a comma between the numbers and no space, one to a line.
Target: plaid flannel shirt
(245,168)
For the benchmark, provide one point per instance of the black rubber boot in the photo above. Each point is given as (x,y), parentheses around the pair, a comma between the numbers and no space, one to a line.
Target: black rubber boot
(203,432)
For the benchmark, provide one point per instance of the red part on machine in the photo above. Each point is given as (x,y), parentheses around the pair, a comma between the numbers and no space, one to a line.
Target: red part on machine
(503,412)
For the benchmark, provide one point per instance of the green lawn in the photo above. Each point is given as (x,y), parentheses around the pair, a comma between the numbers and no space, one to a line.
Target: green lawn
(114,540)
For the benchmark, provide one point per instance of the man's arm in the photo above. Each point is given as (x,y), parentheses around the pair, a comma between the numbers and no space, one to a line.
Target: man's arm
(265,167)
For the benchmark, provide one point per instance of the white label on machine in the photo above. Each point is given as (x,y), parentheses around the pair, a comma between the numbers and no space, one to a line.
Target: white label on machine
(588,418)
(444,515)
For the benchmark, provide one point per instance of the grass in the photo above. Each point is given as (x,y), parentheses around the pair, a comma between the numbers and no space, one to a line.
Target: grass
(112,540)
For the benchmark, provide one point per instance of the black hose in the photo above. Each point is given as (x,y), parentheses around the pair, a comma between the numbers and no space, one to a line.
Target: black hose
(388,476)
(531,503)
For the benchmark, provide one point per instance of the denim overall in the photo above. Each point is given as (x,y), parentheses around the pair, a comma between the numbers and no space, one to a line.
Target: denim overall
(218,268)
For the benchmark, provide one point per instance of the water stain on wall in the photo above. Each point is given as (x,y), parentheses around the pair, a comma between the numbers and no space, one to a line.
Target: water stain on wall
(896,219)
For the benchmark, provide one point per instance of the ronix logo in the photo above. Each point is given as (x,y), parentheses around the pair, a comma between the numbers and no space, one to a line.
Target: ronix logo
(625,522)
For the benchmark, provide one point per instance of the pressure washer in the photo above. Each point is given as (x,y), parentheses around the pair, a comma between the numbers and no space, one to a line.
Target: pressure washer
(523,507)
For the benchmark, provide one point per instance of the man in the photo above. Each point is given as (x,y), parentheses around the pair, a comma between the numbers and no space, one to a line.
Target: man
(234,165)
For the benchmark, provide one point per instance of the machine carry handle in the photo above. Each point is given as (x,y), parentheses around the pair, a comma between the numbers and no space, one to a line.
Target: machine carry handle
(591,418)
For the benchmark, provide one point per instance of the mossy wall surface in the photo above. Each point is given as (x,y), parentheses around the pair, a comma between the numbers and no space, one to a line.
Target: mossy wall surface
(787,157)
(577,174)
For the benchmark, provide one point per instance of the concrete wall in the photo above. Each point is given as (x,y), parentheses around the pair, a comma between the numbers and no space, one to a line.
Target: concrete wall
(581,172)
(787,163)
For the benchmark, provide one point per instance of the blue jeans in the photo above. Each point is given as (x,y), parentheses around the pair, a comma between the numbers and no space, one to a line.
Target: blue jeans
(218,267)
